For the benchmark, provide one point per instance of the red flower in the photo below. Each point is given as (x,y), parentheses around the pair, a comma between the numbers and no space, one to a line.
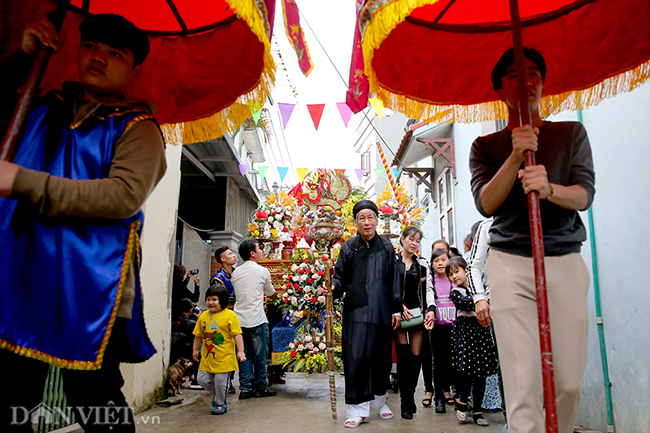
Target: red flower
(296,285)
(300,271)
(321,273)
(316,353)
(323,259)
(287,217)
(387,209)
(286,229)
(310,280)
(288,285)
(306,261)
(314,299)
(293,354)
(262,214)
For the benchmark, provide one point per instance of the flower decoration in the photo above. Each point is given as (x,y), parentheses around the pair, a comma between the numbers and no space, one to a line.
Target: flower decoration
(307,351)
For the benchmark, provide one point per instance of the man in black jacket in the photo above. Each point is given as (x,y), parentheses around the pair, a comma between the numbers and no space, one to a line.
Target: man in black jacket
(365,272)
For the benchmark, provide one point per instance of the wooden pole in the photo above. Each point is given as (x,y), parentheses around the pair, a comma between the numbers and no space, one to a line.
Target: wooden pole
(329,336)
(41,58)
(535,234)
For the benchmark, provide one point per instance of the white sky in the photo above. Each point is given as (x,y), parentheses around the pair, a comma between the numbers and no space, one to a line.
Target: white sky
(332,145)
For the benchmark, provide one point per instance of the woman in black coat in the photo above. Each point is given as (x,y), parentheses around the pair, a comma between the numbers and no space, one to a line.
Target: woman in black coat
(412,275)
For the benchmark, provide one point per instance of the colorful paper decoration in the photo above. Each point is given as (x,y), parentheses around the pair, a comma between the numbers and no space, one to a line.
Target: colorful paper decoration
(396,173)
(282,171)
(378,106)
(360,173)
(262,169)
(243,168)
(256,109)
(345,112)
(285,113)
(296,35)
(315,111)
(378,172)
(301,173)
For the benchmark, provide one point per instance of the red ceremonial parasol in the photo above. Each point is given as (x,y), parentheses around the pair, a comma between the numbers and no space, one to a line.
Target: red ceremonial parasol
(209,59)
(432,60)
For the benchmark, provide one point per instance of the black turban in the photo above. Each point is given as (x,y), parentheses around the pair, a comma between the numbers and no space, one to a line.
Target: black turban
(364,204)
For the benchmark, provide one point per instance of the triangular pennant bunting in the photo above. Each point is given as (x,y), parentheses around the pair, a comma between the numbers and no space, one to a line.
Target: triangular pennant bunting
(243,168)
(256,116)
(282,171)
(339,170)
(378,106)
(255,107)
(345,112)
(262,169)
(378,172)
(301,173)
(360,173)
(396,173)
(285,113)
(316,111)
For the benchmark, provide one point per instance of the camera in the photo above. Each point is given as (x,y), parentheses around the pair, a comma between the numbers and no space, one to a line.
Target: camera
(194,271)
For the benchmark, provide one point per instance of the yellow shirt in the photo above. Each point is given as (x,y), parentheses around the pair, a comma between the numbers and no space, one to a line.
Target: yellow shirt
(218,332)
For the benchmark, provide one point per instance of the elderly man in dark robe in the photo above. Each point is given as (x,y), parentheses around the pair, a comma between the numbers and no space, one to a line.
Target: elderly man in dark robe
(364,273)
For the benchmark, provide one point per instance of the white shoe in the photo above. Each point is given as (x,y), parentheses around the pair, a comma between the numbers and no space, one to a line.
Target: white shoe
(354,422)
(385,412)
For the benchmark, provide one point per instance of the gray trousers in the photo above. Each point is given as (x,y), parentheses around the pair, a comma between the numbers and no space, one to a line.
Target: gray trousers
(217,383)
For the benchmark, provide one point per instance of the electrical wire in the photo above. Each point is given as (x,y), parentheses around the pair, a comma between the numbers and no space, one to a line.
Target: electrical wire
(346,84)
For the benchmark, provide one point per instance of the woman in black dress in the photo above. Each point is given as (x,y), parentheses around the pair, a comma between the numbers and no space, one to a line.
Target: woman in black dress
(412,274)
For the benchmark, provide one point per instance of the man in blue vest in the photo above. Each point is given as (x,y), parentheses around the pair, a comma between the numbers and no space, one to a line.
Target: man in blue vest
(70,224)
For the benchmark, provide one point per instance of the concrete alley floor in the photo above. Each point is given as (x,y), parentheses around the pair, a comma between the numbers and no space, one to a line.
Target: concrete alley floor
(302,405)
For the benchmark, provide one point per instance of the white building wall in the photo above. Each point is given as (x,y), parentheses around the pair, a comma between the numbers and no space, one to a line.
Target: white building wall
(143,381)
(618,130)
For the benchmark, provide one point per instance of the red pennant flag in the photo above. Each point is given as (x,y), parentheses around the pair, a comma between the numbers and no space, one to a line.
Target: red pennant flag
(296,35)
(316,111)
(357,96)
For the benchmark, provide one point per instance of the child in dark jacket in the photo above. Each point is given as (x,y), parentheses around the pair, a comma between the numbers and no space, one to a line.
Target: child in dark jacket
(475,355)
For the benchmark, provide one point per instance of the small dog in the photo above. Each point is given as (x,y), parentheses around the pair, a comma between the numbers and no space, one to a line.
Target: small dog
(176,373)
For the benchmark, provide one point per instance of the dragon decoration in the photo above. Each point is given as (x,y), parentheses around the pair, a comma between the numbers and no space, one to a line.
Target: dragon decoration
(323,188)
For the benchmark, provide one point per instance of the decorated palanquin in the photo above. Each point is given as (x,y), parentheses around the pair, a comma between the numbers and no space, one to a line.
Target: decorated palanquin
(301,231)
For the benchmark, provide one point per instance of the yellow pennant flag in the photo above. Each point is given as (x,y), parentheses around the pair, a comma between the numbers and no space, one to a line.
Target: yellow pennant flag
(301,173)
(378,106)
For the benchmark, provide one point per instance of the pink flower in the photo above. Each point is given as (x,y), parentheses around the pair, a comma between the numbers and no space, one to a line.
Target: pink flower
(386,209)
(261,214)
(310,346)
(322,346)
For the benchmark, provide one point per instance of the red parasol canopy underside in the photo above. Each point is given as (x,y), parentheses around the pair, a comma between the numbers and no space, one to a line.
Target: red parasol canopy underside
(205,56)
(418,56)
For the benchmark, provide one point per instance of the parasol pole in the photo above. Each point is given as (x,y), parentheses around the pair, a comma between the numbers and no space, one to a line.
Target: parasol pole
(535,234)
(41,58)
(329,337)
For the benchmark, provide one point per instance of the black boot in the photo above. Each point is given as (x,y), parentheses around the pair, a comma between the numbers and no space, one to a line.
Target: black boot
(404,374)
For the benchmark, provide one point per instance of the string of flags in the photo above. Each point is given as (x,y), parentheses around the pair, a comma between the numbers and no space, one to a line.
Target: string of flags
(316,111)
(283,171)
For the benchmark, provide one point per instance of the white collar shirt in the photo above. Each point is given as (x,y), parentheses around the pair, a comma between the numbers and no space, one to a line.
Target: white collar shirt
(251,282)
